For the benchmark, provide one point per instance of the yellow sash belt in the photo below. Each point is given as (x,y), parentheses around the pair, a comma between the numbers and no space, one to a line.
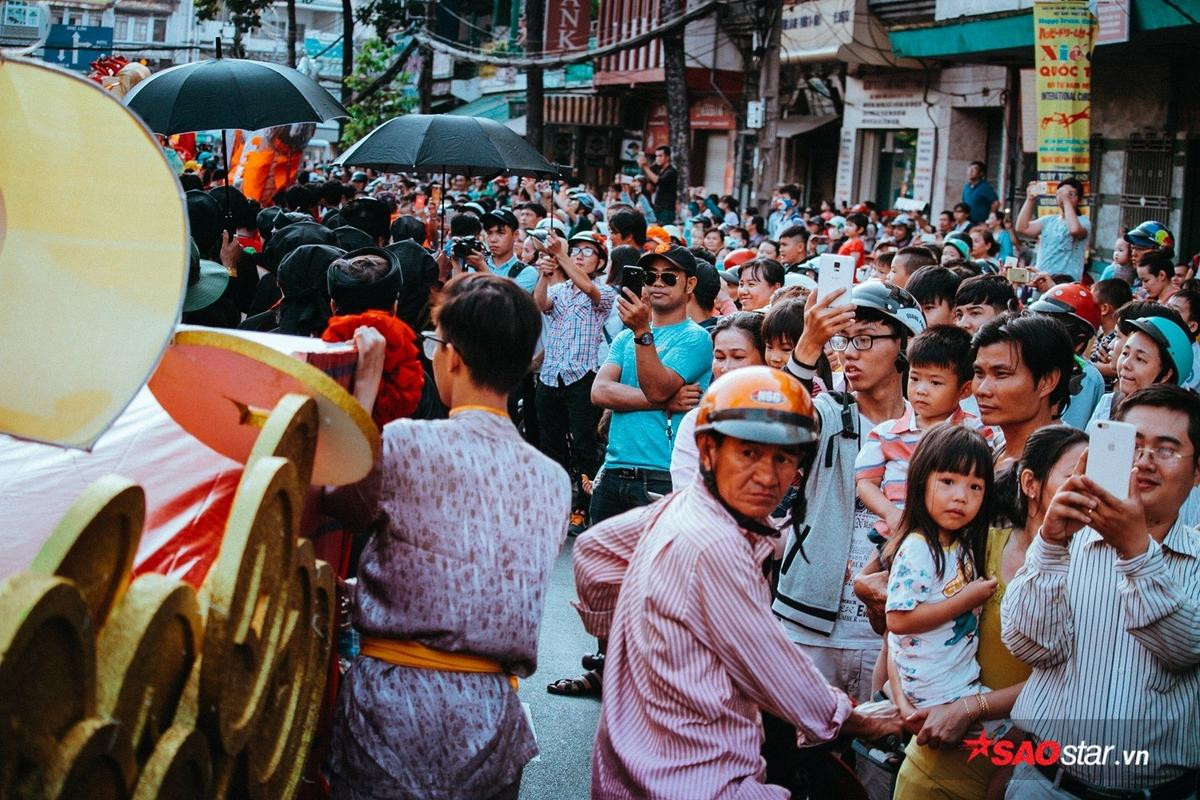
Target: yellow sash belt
(408,653)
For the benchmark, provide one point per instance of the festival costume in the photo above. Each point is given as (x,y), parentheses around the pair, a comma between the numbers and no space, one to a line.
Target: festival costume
(455,569)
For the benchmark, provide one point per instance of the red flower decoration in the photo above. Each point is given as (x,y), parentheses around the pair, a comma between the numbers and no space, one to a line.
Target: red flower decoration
(403,376)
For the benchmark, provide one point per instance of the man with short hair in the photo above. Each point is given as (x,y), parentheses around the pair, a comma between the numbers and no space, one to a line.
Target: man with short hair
(500,228)
(980,299)
(370,216)
(429,707)
(978,195)
(907,261)
(1062,238)
(701,305)
(530,214)
(962,218)
(665,178)
(934,288)
(793,244)
(627,227)
(656,371)
(1023,365)
(1106,609)
(815,595)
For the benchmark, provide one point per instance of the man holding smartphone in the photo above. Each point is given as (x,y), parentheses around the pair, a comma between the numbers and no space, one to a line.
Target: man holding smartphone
(656,371)
(1062,238)
(1106,609)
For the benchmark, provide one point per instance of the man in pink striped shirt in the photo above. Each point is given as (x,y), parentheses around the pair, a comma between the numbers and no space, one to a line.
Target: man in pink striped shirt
(694,650)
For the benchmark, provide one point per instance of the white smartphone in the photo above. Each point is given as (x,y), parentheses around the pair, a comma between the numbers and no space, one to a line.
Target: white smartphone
(1110,456)
(835,272)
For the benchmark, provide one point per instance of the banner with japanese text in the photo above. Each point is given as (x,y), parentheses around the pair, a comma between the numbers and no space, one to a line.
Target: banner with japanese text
(1063,32)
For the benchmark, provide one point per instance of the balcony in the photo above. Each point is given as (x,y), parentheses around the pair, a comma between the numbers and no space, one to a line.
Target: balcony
(903,12)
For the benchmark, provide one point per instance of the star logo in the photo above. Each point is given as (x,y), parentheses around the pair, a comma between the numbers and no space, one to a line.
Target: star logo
(978,746)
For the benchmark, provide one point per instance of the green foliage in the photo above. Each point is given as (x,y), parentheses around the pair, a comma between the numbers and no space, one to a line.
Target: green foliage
(245,14)
(389,101)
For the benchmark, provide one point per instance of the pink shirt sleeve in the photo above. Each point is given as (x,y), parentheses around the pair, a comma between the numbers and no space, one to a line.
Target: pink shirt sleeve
(732,617)
(600,558)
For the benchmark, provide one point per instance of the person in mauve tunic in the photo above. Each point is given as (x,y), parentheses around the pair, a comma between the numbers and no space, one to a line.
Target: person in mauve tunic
(467,520)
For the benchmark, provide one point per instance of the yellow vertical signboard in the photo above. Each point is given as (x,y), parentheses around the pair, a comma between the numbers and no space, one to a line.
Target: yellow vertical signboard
(1062,49)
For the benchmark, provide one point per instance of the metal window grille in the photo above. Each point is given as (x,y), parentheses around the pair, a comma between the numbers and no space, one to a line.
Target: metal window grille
(1146,192)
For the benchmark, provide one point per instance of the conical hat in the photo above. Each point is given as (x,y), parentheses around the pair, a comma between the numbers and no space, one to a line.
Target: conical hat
(93,254)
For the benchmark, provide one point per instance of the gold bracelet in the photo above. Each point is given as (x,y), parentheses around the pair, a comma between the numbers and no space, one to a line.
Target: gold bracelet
(967,706)
(983,705)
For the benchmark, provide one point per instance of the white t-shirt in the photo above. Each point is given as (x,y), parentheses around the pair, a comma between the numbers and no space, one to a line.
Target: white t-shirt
(685,458)
(937,666)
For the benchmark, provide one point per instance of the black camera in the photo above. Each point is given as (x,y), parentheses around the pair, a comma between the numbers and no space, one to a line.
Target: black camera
(463,246)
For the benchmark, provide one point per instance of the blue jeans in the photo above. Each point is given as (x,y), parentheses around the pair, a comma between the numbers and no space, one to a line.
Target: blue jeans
(620,490)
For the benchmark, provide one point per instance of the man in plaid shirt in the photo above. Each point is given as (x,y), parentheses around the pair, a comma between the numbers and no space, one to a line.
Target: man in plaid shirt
(575,311)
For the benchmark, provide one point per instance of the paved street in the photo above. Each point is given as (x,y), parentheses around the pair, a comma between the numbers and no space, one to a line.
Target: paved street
(565,726)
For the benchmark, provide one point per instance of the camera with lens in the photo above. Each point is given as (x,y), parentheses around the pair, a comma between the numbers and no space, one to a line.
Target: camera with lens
(462,246)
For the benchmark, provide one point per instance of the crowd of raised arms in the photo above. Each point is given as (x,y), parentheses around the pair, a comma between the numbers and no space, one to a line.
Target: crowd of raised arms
(800,520)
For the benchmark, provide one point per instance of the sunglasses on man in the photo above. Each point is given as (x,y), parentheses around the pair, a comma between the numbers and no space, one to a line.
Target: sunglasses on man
(667,278)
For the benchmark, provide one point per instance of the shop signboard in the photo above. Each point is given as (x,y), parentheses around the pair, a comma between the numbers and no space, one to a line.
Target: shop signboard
(1062,53)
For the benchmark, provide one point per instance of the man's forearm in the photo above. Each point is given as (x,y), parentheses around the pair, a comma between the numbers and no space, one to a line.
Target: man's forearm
(619,397)
(659,383)
(1022,224)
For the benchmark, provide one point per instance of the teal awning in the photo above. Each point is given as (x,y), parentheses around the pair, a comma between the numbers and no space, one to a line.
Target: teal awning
(983,34)
(492,106)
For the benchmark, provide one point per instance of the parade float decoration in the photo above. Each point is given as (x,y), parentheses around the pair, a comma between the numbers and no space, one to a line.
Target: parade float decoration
(166,629)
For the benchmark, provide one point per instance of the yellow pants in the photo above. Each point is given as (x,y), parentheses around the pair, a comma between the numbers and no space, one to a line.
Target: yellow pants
(929,774)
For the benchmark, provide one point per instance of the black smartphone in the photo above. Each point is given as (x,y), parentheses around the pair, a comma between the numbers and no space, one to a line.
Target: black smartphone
(632,279)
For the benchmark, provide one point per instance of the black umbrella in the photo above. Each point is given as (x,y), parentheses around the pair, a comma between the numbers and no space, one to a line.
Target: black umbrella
(230,93)
(440,142)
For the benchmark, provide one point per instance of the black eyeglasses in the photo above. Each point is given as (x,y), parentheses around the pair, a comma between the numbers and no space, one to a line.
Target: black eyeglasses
(667,278)
(861,342)
(585,251)
(430,343)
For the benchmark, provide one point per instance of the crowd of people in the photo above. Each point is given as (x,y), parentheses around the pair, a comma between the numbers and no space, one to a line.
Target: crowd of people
(801,519)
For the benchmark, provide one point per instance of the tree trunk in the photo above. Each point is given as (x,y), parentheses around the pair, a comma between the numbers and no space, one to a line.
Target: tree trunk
(768,144)
(425,82)
(535,24)
(678,120)
(291,42)
(347,46)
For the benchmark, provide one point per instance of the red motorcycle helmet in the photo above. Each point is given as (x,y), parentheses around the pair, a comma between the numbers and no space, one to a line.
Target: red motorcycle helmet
(1072,299)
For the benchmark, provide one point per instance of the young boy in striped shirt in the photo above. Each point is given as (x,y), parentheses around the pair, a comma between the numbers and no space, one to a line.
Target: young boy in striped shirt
(939,378)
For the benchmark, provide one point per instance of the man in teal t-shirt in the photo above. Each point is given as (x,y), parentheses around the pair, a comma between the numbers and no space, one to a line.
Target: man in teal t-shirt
(656,370)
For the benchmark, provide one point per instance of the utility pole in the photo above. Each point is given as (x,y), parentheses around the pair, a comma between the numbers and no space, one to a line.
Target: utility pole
(425,79)
(675,77)
(291,36)
(535,26)
(768,144)
(347,47)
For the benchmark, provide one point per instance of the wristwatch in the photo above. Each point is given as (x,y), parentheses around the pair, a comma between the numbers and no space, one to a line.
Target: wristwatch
(646,338)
